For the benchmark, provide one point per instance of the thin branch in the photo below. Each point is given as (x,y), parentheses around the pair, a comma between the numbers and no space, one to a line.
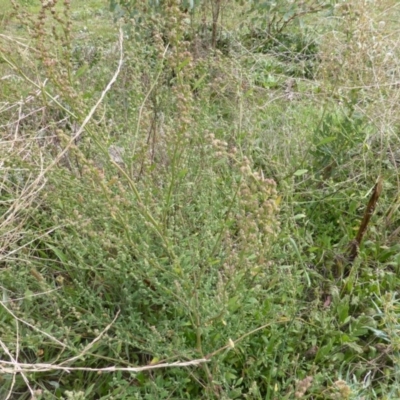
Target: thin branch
(93,110)
(63,345)
(91,344)
(6,367)
(16,368)
(145,100)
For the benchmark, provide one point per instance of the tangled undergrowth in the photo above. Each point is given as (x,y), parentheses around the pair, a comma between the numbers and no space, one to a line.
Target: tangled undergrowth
(178,194)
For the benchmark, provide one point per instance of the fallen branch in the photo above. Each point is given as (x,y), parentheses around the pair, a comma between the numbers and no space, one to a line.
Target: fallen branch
(10,367)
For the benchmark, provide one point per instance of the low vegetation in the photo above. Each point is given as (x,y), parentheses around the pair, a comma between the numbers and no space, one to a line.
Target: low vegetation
(199,200)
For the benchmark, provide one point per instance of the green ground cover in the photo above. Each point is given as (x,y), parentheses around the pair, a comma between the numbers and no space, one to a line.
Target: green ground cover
(179,193)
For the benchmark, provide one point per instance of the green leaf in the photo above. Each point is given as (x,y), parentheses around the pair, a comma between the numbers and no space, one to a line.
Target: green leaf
(326,140)
(324,350)
(199,81)
(380,334)
(343,311)
(28,295)
(61,256)
(300,172)
(182,173)
(229,376)
(354,346)
(234,304)
(89,390)
(183,64)
(82,70)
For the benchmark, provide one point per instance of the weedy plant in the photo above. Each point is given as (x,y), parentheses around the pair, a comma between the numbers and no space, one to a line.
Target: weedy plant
(170,223)
(156,224)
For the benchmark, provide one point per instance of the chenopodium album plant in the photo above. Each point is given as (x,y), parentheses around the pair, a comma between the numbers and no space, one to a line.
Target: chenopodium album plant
(141,238)
(256,212)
